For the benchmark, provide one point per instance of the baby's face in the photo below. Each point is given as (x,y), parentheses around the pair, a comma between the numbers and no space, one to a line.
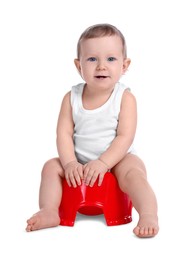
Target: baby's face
(102,62)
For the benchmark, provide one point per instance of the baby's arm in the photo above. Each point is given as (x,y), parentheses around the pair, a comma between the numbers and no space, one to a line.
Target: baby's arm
(65,144)
(125,131)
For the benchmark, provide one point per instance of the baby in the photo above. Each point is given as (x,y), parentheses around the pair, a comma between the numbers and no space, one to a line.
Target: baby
(95,133)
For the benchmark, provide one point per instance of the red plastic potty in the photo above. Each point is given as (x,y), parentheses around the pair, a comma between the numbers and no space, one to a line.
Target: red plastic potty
(106,199)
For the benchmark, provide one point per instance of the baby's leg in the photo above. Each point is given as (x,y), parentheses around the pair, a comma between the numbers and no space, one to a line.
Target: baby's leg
(49,197)
(131,175)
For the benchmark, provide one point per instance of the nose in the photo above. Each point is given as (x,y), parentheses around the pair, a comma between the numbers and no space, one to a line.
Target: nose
(101,65)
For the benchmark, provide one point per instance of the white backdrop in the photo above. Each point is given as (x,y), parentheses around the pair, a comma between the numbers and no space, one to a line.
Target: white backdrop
(37,47)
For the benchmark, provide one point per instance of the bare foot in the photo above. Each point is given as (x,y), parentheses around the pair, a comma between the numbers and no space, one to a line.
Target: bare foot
(45,218)
(147,226)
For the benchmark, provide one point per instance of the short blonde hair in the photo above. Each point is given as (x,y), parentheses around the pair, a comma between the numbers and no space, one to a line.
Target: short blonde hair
(101,30)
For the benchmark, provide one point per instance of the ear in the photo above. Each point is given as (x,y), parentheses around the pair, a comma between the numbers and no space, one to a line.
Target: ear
(77,64)
(126,64)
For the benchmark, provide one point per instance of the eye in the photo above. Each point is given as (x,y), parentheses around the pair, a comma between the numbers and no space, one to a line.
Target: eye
(111,59)
(91,59)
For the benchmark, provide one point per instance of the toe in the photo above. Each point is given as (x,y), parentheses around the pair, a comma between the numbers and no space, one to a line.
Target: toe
(136,230)
(28,228)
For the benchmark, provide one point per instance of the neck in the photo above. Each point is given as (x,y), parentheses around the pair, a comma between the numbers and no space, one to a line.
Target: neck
(93,98)
(98,91)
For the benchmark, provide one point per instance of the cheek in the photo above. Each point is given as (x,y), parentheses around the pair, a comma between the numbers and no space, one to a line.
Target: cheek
(85,74)
(118,70)
(86,70)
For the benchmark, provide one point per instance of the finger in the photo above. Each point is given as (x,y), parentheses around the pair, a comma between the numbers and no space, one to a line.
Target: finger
(67,179)
(80,172)
(89,177)
(85,172)
(68,182)
(101,177)
(93,179)
(84,166)
(77,177)
(72,179)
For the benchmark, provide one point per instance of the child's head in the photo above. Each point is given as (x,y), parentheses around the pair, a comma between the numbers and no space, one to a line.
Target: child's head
(101,30)
(101,55)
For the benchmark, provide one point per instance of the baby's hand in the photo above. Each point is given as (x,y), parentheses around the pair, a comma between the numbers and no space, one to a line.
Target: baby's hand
(73,173)
(92,170)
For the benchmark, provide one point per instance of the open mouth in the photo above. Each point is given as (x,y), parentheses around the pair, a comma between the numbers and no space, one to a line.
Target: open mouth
(101,77)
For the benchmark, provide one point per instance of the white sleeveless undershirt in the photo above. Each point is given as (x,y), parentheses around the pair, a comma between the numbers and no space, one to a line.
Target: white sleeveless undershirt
(94,130)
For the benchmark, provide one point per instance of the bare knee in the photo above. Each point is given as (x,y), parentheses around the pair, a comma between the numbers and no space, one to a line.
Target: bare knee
(133,176)
(129,164)
(130,170)
(53,166)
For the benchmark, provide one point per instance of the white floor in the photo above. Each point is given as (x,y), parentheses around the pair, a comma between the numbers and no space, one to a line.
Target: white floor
(90,238)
